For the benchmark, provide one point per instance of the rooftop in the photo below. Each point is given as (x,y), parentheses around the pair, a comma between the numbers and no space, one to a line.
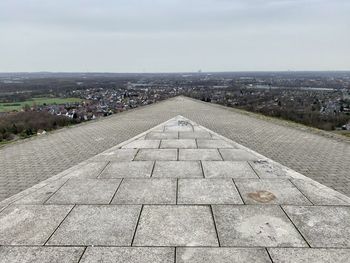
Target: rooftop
(178,192)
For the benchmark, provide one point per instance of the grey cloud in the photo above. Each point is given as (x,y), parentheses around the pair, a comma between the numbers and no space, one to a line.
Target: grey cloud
(171,35)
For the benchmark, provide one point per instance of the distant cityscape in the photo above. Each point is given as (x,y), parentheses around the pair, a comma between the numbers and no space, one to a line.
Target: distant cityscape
(318,99)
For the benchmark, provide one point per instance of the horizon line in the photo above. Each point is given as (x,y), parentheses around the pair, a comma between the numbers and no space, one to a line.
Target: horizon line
(168,72)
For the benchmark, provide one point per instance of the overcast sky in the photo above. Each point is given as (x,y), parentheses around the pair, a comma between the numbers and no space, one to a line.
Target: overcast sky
(170,35)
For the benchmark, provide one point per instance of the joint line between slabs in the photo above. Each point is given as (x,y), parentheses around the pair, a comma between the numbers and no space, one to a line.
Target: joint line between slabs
(44,203)
(251,166)
(222,158)
(175,255)
(295,226)
(154,165)
(103,169)
(268,253)
(133,159)
(289,179)
(137,224)
(59,225)
(202,169)
(115,193)
(82,254)
(240,195)
(177,190)
(216,229)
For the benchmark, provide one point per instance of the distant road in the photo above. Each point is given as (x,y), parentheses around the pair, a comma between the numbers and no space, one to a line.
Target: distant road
(324,159)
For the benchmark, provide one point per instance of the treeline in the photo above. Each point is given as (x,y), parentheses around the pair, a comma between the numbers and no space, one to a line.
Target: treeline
(26,124)
(309,118)
(304,108)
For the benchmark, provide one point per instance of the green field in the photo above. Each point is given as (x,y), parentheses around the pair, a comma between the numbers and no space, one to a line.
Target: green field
(38,101)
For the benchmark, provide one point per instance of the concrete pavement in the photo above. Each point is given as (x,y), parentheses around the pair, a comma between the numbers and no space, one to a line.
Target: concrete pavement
(323,159)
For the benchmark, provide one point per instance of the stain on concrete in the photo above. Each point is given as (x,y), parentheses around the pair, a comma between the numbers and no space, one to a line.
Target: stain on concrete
(262,196)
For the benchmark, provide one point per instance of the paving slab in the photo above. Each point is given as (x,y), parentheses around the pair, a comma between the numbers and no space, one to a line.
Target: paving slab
(86,191)
(177,169)
(146,191)
(267,169)
(255,226)
(213,144)
(30,224)
(128,170)
(156,154)
(89,170)
(237,155)
(161,135)
(40,254)
(228,169)
(322,226)
(310,255)
(43,194)
(199,154)
(270,191)
(222,255)
(195,135)
(118,155)
(143,144)
(208,191)
(182,128)
(197,128)
(319,194)
(89,225)
(128,254)
(176,226)
(179,143)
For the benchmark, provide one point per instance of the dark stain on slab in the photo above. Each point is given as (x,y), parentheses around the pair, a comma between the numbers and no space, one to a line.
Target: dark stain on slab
(262,196)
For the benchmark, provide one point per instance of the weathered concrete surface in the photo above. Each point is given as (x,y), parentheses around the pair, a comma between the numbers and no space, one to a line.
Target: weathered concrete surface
(177,169)
(257,191)
(97,225)
(40,254)
(156,154)
(180,143)
(176,226)
(301,255)
(127,170)
(222,255)
(199,154)
(255,226)
(86,191)
(128,254)
(208,191)
(324,159)
(322,226)
(115,207)
(146,191)
(30,224)
(228,169)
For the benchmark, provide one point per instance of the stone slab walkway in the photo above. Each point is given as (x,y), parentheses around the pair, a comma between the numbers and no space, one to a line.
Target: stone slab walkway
(27,163)
(176,193)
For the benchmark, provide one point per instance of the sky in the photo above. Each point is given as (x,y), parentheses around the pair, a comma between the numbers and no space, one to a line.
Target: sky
(174,35)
